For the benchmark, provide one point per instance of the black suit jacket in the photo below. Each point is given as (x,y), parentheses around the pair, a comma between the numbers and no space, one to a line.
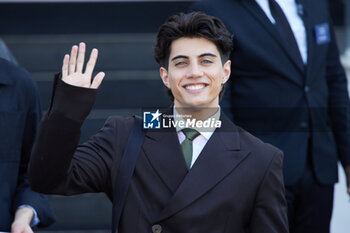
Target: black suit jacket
(274,97)
(19,121)
(236,184)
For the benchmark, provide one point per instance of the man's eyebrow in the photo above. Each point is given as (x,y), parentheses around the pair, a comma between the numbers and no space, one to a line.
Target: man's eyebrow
(186,57)
(179,56)
(207,54)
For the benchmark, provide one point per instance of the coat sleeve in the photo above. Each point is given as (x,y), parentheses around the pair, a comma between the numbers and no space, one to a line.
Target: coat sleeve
(24,195)
(58,165)
(270,210)
(339,104)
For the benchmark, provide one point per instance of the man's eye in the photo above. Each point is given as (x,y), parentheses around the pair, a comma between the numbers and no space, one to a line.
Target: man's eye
(180,63)
(206,61)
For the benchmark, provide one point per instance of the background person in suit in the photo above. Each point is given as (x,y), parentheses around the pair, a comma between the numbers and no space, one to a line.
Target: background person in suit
(229,180)
(288,87)
(5,53)
(20,207)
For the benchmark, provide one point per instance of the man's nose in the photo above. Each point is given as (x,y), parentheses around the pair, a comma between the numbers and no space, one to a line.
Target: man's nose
(194,71)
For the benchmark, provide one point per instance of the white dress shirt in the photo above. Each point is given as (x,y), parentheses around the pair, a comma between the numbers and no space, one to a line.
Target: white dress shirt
(199,142)
(289,8)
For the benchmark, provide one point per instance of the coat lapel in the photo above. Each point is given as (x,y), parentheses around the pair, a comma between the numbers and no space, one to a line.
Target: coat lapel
(162,149)
(255,10)
(218,158)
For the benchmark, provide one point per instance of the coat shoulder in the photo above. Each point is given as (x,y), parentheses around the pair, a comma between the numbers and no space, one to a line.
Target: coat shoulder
(120,121)
(122,125)
(257,146)
(16,73)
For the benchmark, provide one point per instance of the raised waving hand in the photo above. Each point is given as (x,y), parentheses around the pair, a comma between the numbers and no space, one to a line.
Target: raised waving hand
(73,64)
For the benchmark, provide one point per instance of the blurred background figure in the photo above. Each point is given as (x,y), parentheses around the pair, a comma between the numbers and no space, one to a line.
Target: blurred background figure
(5,53)
(289,88)
(21,209)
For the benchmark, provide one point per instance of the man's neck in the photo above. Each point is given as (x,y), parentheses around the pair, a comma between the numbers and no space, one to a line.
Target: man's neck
(200,114)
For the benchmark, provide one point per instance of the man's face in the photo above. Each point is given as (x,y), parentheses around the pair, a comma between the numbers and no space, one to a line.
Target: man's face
(195,73)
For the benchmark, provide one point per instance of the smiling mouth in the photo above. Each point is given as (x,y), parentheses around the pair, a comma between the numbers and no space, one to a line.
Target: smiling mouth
(195,87)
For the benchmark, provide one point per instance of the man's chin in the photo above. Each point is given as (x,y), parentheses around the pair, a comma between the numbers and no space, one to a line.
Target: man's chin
(195,106)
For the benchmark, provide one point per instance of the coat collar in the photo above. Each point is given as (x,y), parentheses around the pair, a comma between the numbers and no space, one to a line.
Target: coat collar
(218,158)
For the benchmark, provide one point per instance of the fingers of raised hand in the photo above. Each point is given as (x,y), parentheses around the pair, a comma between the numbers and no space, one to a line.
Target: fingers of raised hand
(72,68)
(71,63)
(81,57)
(91,63)
(97,80)
(65,66)
(73,59)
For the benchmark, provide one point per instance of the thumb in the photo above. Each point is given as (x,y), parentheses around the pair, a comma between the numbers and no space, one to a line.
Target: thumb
(97,80)
(16,229)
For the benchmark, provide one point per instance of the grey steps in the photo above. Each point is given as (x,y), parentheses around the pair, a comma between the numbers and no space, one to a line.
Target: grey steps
(123,96)
(44,53)
(132,77)
(57,17)
(119,93)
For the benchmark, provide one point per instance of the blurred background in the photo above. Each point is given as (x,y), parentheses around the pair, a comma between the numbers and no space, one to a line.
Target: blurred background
(39,33)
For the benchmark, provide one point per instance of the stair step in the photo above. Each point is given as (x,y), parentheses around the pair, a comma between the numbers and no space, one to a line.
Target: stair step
(120,94)
(112,75)
(44,53)
(48,17)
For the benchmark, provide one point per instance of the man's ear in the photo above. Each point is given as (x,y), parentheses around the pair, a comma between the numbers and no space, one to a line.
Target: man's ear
(164,75)
(227,71)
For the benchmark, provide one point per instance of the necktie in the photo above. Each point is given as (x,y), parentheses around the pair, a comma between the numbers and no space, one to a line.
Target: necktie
(186,145)
(285,31)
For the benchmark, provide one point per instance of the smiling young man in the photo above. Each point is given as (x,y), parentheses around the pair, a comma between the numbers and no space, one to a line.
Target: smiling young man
(218,180)
(195,75)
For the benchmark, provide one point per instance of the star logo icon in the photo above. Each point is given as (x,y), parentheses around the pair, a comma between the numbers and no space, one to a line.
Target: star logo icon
(155,115)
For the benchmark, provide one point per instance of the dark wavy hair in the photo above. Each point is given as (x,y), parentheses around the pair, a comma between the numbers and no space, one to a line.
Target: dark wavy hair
(192,25)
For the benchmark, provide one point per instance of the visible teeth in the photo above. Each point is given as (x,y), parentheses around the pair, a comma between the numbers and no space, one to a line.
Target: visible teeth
(194,87)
